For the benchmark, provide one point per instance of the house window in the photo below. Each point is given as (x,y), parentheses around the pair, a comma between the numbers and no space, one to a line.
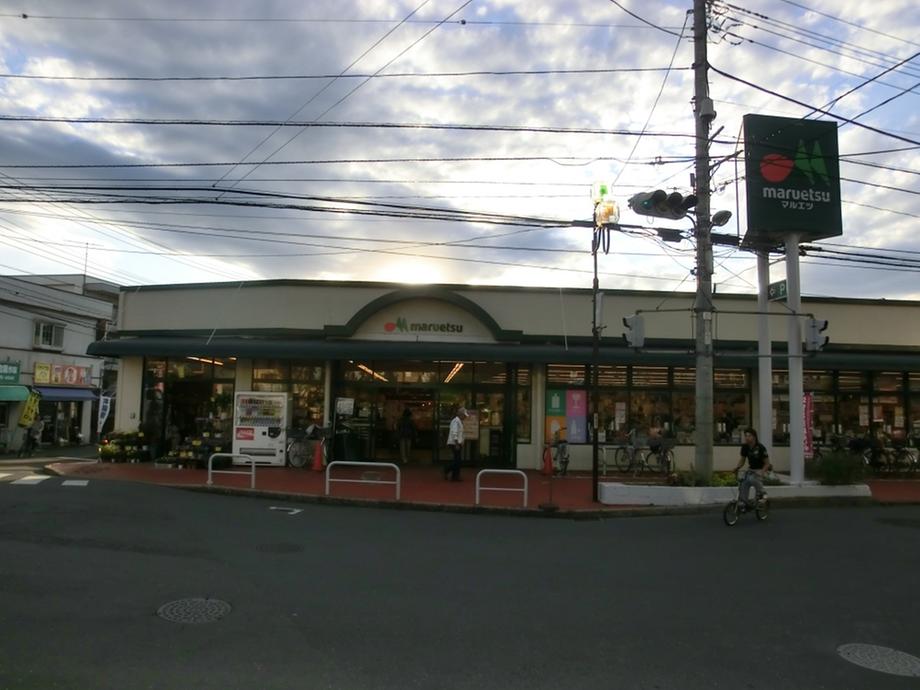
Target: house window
(48,336)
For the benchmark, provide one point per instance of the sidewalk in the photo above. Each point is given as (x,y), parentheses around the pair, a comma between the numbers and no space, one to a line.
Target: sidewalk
(421,487)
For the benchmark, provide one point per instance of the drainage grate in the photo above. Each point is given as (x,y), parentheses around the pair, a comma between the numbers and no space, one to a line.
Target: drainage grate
(195,610)
(883,659)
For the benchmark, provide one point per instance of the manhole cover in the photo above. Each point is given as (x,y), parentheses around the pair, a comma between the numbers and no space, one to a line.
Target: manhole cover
(195,610)
(883,659)
(901,522)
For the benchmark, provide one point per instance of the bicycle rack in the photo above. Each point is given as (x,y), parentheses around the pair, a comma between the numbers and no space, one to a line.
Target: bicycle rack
(500,488)
(250,459)
(396,483)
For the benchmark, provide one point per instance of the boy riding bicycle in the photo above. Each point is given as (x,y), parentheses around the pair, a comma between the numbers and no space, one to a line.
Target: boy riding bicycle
(755,454)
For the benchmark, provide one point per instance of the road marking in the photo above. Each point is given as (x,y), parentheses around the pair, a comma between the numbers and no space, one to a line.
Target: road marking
(31,479)
(284,509)
(75,482)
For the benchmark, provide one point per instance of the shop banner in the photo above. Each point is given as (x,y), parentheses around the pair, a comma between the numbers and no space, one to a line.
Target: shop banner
(555,429)
(9,372)
(809,407)
(105,406)
(29,410)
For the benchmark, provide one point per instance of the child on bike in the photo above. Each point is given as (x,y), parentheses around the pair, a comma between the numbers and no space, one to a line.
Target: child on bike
(755,454)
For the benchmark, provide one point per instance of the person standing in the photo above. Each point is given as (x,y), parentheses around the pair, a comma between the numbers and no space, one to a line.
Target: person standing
(405,431)
(455,443)
(33,437)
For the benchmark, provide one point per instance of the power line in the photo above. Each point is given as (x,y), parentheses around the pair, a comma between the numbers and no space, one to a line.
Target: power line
(344,125)
(558,160)
(853,24)
(812,107)
(317,20)
(385,75)
(646,21)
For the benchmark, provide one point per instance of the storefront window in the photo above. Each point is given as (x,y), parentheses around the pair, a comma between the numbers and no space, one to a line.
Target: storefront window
(612,406)
(611,377)
(456,372)
(409,372)
(888,381)
(645,377)
(684,377)
(490,372)
(732,408)
(649,410)
(684,424)
(490,409)
(523,393)
(566,374)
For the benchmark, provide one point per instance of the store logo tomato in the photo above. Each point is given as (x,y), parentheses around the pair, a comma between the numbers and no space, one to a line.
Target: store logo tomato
(389,326)
(775,167)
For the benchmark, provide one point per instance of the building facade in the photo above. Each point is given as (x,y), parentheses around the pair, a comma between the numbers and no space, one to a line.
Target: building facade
(46,326)
(519,358)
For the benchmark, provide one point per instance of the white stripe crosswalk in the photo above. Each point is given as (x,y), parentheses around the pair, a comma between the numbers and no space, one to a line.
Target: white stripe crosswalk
(29,479)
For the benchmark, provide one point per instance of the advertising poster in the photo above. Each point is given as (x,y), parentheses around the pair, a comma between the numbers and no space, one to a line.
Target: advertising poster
(808,406)
(555,403)
(576,429)
(105,406)
(29,411)
(576,403)
(471,425)
(42,373)
(555,424)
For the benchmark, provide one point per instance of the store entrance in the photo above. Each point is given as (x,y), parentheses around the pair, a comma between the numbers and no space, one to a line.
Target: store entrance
(404,431)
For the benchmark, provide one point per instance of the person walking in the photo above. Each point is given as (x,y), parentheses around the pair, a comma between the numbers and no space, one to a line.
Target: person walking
(455,443)
(33,438)
(405,431)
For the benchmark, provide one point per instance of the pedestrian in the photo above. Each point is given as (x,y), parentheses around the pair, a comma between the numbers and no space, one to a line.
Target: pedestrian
(405,431)
(33,437)
(455,443)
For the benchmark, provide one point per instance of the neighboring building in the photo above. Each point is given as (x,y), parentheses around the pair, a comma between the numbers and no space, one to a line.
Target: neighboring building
(517,357)
(46,326)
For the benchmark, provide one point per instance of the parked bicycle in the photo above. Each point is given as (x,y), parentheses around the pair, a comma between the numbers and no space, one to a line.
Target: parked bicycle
(660,457)
(301,445)
(558,451)
(742,503)
(627,458)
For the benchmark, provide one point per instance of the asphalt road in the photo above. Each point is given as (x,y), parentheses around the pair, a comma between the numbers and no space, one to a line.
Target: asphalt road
(354,598)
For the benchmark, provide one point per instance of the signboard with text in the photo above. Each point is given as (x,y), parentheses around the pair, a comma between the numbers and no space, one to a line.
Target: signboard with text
(792,176)
(61,374)
(9,372)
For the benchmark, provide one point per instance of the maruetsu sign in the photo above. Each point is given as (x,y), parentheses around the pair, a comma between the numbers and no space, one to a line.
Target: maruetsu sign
(403,325)
(793,179)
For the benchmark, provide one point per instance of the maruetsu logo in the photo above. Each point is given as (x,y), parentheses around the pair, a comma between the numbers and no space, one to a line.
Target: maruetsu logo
(776,168)
(401,325)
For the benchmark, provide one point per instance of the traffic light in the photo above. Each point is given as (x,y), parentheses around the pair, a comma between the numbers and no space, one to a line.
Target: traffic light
(635,330)
(814,341)
(660,204)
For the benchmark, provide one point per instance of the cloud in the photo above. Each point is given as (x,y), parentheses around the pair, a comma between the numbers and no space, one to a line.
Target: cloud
(498,35)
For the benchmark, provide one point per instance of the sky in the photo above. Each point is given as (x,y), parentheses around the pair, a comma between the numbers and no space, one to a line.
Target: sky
(510,74)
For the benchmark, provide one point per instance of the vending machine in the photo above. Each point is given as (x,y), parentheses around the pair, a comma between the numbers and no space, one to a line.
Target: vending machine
(259,424)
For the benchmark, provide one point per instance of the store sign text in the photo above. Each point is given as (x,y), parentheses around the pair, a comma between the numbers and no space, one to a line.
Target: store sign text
(402,325)
(9,372)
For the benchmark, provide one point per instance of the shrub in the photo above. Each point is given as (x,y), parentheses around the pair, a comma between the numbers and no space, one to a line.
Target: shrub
(840,467)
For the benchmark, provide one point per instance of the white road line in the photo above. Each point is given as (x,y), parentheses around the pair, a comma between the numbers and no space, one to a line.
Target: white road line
(75,482)
(31,479)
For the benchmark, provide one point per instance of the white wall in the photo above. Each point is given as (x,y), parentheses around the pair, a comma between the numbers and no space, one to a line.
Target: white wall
(130,390)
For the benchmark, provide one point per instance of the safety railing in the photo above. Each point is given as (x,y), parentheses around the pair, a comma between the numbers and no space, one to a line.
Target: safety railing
(500,488)
(375,465)
(247,458)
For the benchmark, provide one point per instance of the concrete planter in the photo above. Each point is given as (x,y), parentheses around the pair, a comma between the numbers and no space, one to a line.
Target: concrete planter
(611,493)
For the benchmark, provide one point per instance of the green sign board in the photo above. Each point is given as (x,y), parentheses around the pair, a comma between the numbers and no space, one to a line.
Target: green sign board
(9,372)
(792,177)
(777,291)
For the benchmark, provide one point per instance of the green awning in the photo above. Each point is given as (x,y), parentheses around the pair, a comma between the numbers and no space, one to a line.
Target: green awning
(13,393)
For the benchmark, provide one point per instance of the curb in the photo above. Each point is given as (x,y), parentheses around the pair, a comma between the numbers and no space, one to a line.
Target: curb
(565,514)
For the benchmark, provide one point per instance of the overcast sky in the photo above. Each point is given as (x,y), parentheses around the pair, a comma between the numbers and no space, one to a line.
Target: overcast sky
(779,45)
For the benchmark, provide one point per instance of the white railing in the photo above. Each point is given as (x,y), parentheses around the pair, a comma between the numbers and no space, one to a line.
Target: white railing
(375,465)
(251,460)
(500,488)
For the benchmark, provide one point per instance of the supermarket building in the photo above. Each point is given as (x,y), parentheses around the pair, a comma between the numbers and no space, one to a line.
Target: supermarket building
(519,358)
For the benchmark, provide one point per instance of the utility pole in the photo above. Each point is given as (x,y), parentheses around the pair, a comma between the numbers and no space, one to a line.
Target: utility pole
(704,114)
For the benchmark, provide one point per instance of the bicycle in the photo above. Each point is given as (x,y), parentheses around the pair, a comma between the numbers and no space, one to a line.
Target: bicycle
(558,451)
(663,454)
(300,445)
(627,458)
(900,458)
(740,505)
